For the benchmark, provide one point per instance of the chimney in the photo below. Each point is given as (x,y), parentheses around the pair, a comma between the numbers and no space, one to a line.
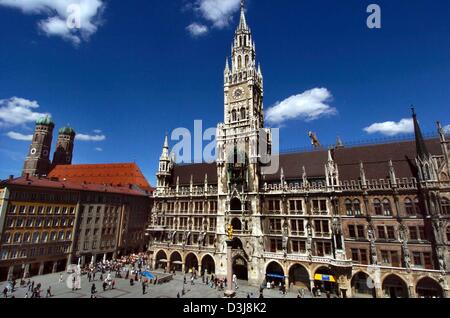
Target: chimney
(27,176)
(11,177)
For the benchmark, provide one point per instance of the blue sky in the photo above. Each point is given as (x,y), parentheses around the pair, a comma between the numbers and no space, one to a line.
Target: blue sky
(134,71)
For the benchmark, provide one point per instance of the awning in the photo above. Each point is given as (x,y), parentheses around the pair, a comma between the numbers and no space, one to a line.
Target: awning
(275,276)
(325,278)
(178,263)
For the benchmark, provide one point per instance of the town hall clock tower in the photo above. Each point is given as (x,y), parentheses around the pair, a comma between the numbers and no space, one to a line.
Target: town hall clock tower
(238,159)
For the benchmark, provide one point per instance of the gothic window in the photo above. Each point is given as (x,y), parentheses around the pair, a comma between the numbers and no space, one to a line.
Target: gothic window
(377,207)
(239,62)
(387,207)
(246,60)
(17,238)
(445,203)
(349,207)
(323,248)
(448,234)
(357,207)
(35,237)
(321,228)
(26,237)
(243,115)
(297,228)
(234,116)
(409,207)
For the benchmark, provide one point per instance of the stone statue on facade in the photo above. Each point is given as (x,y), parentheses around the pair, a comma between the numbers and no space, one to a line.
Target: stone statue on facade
(373,248)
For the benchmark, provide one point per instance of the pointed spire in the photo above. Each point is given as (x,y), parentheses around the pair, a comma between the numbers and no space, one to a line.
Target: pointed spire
(339,143)
(165,150)
(243,20)
(421,148)
(304,177)
(441,132)
(362,174)
(227,66)
(392,175)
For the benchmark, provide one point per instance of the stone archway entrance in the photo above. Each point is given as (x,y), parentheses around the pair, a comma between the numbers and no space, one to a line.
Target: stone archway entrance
(208,264)
(362,286)
(275,273)
(191,263)
(429,288)
(161,260)
(176,262)
(394,287)
(325,280)
(299,277)
(240,268)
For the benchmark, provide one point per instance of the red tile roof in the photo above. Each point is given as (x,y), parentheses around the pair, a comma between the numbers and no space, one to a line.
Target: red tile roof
(68,185)
(120,174)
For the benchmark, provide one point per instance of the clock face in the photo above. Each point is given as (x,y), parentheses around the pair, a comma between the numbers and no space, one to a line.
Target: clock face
(45,153)
(238,93)
(33,151)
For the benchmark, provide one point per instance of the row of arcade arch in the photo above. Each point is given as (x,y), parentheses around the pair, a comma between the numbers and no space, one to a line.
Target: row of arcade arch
(298,276)
(175,262)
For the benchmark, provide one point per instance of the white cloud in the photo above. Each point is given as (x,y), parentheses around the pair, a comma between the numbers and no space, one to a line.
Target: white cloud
(18,136)
(58,12)
(83,137)
(97,131)
(98,149)
(447,129)
(18,111)
(391,128)
(197,29)
(309,105)
(218,12)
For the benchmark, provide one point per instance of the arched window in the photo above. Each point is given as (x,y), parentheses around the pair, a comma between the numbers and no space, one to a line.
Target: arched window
(377,207)
(349,207)
(26,237)
(53,236)
(247,59)
(61,236)
(445,203)
(234,116)
(243,115)
(68,235)
(17,238)
(239,62)
(44,237)
(448,234)
(357,207)
(409,207)
(35,237)
(387,207)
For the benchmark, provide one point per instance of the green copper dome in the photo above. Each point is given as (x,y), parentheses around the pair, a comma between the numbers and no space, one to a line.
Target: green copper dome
(46,121)
(67,131)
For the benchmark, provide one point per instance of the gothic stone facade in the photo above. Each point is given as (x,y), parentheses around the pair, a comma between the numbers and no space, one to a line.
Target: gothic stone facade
(370,220)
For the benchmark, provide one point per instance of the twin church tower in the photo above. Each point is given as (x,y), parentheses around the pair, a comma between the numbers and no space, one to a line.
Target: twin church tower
(37,162)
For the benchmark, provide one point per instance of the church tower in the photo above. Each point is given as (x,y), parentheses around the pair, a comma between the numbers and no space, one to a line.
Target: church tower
(238,157)
(64,147)
(37,162)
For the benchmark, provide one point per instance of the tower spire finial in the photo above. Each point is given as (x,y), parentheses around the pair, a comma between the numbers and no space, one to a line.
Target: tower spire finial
(243,20)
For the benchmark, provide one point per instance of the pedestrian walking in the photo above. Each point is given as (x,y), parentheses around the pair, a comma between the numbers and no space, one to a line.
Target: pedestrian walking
(61,278)
(143,287)
(49,292)
(5,292)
